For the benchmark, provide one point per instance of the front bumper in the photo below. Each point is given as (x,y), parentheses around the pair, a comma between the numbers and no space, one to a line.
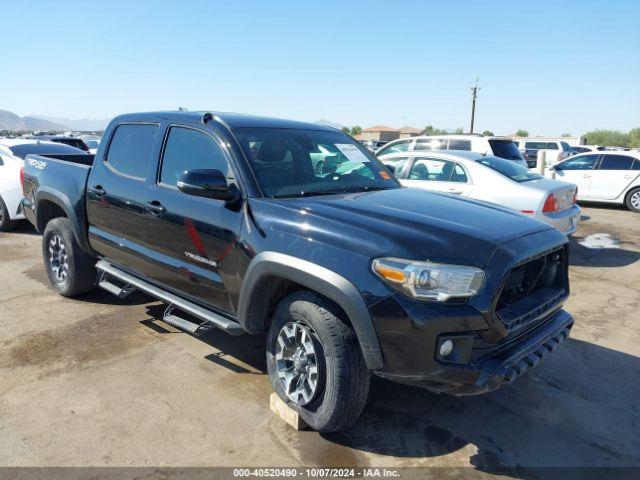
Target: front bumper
(566,221)
(495,367)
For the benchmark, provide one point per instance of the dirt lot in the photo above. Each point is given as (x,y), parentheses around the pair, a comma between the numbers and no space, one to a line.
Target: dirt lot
(103,382)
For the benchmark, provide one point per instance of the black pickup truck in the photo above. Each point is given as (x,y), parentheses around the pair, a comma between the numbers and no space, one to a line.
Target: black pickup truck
(225,218)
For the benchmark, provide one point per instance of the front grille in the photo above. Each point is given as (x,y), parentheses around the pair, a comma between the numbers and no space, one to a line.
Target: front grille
(533,288)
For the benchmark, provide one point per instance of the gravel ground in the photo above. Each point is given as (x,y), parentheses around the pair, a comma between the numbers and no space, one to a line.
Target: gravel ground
(98,381)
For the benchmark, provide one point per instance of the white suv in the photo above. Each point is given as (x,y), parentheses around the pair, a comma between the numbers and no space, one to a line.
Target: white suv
(497,146)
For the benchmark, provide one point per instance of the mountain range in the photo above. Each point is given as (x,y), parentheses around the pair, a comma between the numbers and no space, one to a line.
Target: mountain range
(12,122)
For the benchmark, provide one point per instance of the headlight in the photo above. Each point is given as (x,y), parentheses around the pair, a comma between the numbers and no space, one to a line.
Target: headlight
(429,281)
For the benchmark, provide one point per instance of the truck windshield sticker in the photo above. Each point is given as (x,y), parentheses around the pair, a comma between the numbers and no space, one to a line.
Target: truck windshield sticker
(352,153)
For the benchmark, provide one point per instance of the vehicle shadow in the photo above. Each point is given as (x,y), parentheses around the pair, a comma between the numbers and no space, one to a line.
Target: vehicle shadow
(25,228)
(578,408)
(244,354)
(581,256)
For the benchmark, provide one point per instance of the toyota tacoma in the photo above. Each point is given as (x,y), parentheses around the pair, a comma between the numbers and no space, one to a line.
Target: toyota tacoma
(230,221)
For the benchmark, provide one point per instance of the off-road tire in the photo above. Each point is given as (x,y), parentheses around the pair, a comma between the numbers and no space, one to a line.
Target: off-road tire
(344,387)
(635,191)
(6,223)
(81,270)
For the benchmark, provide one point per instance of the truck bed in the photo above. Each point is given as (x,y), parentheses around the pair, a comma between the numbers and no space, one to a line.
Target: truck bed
(63,176)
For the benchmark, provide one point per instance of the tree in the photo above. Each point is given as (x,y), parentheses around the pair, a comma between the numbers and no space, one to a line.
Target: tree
(634,138)
(431,130)
(356,130)
(565,135)
(346,130)
(522,133)
(611,138)
(488,133)
(459,131)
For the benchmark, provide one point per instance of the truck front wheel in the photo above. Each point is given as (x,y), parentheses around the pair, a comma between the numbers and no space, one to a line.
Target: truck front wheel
(70,269)
(315,364)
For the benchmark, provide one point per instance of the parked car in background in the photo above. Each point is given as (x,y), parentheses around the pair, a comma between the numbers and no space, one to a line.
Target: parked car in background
(498,146)
(71,141)
(93,145)
(607,176)
(373,145)
(587,148)
(12,154)
(490,179)
(556,151)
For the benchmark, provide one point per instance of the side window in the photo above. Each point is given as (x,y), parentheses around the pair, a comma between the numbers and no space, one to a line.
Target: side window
(131,148)
(398,164)
(459,174)
(616,162)
(395,148)
(431,169)
(459,145)
(583,162)
(431,144)
(636,165)
(187,149)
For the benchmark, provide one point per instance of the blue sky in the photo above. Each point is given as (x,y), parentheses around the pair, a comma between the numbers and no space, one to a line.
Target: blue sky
(547,66)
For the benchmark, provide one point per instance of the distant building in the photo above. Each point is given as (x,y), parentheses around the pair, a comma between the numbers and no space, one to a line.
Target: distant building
(380,132)
(385,133)
(408,131)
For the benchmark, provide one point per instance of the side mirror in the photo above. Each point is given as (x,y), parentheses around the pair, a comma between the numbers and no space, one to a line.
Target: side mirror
(208,184)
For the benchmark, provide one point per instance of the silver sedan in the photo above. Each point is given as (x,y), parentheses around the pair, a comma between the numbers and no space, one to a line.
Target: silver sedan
(490,179)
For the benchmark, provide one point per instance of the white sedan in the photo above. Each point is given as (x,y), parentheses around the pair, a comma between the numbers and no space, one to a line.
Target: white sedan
(12,153)
(607,176)
(490,179)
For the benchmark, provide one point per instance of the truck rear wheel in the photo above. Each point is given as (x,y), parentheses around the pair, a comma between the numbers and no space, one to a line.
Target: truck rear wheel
(6,223)
(315,364)
(70,269)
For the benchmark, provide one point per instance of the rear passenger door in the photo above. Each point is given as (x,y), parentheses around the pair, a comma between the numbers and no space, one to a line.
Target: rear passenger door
(193,238)
(116,192)
(613,176)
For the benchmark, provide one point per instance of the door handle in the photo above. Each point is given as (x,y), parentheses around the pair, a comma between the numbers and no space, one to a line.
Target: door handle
(586,176)
(455,191)
(155,207)
(98,191)
(628,177)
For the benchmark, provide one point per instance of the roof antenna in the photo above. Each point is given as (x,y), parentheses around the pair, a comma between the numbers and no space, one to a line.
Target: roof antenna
(182,109)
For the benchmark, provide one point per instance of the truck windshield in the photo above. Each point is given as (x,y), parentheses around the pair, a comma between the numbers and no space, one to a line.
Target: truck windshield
(509,169)
(298,162)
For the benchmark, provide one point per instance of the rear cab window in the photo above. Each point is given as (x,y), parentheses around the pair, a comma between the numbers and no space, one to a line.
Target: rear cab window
(131,149)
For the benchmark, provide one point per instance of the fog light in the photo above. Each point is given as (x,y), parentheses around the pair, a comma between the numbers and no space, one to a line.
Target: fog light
(446,348)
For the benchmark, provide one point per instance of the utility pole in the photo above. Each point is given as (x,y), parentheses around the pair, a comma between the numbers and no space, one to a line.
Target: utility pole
(474,95)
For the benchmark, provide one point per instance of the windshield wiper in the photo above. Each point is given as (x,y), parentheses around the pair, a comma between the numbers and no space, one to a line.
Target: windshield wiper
(334,191)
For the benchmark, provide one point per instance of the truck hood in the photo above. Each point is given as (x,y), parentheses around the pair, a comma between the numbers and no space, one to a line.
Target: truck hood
(404,222)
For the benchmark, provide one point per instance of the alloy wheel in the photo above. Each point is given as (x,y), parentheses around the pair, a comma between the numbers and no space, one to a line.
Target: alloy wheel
(297,363)
(635,200)
(58,259)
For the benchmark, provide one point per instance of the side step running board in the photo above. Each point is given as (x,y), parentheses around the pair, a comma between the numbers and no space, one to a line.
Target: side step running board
(229,326)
